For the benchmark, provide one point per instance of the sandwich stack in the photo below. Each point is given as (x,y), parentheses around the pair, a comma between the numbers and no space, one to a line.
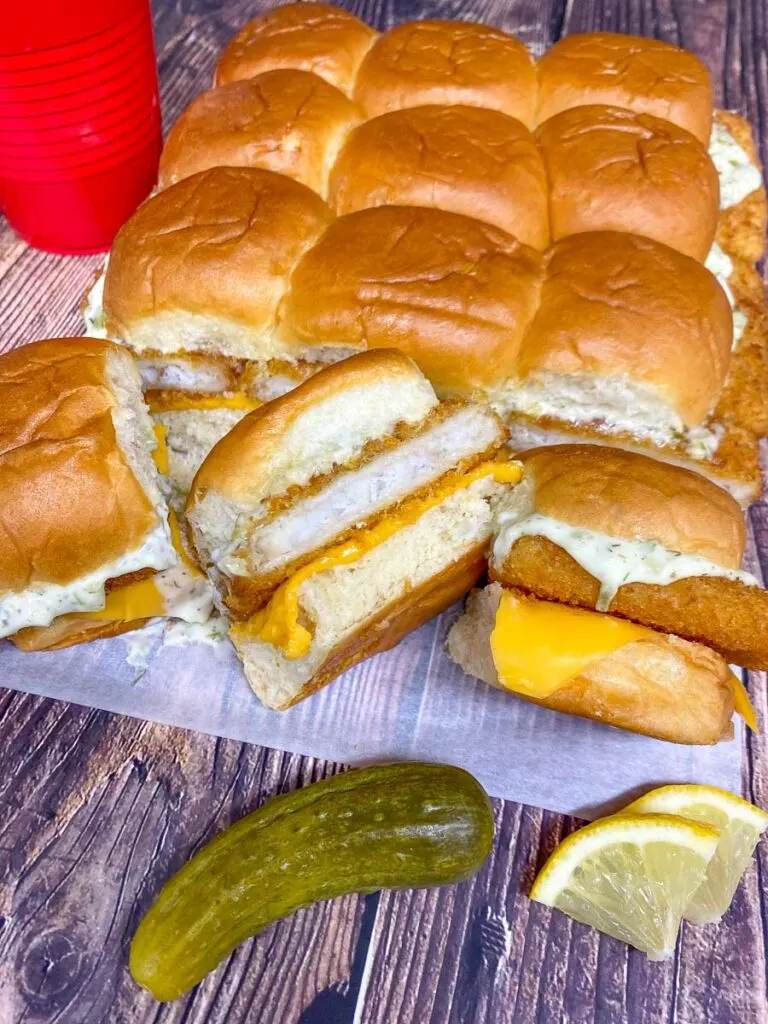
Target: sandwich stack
(407,303)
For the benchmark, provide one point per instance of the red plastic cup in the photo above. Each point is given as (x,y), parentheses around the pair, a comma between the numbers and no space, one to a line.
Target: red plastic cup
(79,120)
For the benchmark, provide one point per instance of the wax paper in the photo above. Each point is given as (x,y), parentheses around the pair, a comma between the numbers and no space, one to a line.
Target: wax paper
(409,703)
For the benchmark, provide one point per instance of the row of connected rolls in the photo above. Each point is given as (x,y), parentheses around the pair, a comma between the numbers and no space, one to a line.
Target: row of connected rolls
(531,233)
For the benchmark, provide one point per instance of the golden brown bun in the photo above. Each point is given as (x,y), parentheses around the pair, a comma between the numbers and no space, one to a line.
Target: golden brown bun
(618,170)
(71,501)
(448,62)
(461,159)
(71,629)
(638,498)
(659,686)
(616,303)
(287,121)
(398,619)
(451,292)
(626,71)
(221,245)
(241,461)
(320,38)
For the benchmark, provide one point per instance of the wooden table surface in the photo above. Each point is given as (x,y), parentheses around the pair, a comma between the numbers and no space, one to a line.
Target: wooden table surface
(97,810)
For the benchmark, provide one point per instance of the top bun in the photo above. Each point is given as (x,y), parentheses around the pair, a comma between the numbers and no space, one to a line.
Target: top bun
(448,62)
(319,425)
(72,501)
(628,495)
(618,306)
(291,122)
(467,160)
(453,293)
(627,71)
(617,170)
(328,41)
(202,266)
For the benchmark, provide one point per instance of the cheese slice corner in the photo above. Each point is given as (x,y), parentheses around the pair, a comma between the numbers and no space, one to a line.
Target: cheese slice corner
(539,646)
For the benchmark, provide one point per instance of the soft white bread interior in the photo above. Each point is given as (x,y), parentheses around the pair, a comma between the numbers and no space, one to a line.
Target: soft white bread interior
(658,685)
(323,424)
(355,610)
(82,504)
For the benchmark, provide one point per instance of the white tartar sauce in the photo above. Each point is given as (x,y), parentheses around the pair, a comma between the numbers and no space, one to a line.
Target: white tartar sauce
(187,595)
(613,561)
(719,263)
(738,175)
(39,605)
(93,313)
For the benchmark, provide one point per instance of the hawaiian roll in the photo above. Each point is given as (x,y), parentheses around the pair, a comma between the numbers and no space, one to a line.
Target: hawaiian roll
(616,531)
(202,266)
(453,293)
(87,549)
(448,62)
(344,514)
(640,74)
(614,169)
(325,40)
(287,121)
(461,159)
(621,322)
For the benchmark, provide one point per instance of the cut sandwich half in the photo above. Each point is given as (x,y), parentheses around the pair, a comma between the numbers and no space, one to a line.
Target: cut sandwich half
(616,594)
(87,548)
(341,516)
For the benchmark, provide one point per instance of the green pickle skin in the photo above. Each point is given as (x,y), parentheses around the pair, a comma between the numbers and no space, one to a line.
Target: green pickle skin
(392,826)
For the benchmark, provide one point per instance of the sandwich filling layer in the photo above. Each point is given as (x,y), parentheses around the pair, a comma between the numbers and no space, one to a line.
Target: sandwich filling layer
(40,604)
(738,175)
(611,404)
(720,264)
(279,622)
(613,561)
(351,497)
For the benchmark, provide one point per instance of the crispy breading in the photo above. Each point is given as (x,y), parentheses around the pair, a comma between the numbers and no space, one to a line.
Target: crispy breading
(741,228)
(729,616)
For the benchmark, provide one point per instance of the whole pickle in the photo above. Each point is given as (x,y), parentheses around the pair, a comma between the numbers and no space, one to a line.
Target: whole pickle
(387,826)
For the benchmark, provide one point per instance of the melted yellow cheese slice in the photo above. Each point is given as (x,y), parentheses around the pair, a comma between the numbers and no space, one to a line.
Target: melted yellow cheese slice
(140,600)
(160,454)
(743,705)
(178,401)
(278,623)
(539,646)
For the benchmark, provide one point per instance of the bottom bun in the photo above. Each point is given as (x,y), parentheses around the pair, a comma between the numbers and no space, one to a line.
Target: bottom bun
(68,630)
(659,686)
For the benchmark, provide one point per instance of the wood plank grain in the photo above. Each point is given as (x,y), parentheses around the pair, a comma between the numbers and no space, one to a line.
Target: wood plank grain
(95,812)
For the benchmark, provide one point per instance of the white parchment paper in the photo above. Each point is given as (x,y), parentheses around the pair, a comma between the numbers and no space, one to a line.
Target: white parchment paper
(412,702)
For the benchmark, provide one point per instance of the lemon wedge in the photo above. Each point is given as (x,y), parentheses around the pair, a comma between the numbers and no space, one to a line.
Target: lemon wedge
(740,824)
(630,876)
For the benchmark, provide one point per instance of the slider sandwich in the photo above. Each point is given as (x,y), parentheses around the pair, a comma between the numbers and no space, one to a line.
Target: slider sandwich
(616,594)
(87,547)
(192,288)
(337,518)
(593,340)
